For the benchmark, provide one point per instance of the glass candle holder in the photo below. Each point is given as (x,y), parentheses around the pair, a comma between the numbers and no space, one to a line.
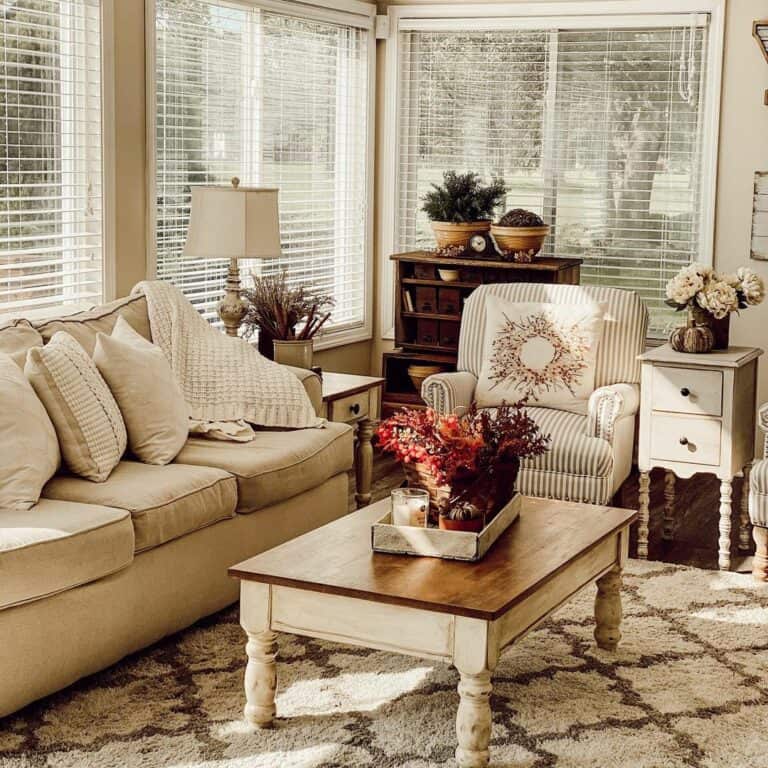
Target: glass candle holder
(410,507)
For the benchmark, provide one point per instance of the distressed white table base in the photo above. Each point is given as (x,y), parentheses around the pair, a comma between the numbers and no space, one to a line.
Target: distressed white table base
(668,526)
(472,645)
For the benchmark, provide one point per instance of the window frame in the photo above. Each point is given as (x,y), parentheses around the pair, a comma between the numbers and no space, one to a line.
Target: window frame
(522,15)
(353,12)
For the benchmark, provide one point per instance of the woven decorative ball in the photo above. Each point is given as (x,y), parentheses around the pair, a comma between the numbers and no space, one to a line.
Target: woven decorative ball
(693,339)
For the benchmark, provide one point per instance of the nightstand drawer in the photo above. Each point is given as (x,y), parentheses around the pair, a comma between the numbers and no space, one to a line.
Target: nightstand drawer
(684,390)
(349,409)
(692,441)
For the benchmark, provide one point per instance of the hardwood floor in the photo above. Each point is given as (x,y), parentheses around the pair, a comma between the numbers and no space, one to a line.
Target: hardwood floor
(696,514)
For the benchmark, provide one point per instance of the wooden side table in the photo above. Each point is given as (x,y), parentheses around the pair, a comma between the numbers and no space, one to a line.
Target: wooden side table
(697,414)
(355,400)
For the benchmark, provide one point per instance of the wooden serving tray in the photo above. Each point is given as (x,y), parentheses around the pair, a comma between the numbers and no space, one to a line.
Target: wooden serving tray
(435,542)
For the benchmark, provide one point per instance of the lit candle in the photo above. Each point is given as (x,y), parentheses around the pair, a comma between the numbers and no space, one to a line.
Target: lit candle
(409,507)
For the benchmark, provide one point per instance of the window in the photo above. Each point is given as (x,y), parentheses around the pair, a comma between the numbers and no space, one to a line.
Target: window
(599,129)
(275,99)
(51,164)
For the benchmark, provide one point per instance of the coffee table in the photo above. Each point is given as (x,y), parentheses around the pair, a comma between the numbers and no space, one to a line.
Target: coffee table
(329,584)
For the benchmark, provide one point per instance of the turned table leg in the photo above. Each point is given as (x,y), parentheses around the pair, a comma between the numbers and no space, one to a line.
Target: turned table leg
(744,538)
(668,529)
(364,462)
(643,514)
(261,679)
(473,720)
(760,561)
(724,542)
(261,650)
(608,610)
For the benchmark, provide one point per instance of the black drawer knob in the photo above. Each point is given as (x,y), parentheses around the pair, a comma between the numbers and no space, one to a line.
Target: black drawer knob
(683,441)
(685,391)
(355,408)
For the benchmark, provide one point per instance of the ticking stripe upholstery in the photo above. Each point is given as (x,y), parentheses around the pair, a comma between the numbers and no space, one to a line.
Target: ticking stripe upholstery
(572,450)
(623,339)
(758,493)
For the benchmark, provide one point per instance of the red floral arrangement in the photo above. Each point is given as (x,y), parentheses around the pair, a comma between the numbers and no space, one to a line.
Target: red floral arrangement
(471,453)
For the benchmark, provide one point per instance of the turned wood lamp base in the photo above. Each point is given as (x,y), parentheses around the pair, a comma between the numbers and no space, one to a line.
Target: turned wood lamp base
(232,308)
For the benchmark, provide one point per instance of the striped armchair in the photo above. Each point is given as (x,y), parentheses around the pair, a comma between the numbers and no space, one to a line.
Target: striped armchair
(758,502)
(591,449)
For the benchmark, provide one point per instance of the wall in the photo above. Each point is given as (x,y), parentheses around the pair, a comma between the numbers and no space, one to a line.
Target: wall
(131,160)
(743,149)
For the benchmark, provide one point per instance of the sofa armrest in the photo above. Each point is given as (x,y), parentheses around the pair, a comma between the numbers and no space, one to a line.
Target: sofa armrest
(609,404)
(448,392)
(762,422)
(312,384)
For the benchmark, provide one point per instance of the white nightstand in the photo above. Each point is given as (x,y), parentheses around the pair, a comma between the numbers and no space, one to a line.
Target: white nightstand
(697,414)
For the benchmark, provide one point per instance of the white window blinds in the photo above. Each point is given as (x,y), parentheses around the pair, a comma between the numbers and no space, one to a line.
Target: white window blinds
(276,100)
(50,163)
(597,130)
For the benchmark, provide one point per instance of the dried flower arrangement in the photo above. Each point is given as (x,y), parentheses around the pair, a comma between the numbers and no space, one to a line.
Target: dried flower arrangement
(468,463)
(283,311)
(710,298)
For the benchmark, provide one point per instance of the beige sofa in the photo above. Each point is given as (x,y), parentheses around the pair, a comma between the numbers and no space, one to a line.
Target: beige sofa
(96,571)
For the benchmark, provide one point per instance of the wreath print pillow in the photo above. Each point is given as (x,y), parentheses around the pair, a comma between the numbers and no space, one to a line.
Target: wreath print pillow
(543,353)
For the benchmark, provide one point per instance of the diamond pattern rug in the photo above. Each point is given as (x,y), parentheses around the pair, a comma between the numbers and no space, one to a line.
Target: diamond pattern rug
(688,687)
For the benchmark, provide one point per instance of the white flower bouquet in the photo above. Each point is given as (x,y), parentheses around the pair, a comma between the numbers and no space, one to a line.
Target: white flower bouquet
(698,287)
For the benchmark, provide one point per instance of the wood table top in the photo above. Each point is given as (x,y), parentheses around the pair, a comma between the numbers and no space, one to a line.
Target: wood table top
(337,385)
(337,559)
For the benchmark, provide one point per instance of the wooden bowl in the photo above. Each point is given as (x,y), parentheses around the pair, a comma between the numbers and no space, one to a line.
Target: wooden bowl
(524,240)
(447,233)
(418,373)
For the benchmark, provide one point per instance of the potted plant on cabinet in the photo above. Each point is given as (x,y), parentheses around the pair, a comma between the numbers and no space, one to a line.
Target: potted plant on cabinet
(468,464)
(461,206)
(286,317)
(520,234)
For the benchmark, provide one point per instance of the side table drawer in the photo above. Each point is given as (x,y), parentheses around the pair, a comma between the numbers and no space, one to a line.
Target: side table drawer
(351,408)
(683,390)
(691,441)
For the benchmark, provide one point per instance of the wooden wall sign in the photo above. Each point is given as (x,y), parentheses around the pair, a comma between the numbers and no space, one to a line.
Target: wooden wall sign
(759,249)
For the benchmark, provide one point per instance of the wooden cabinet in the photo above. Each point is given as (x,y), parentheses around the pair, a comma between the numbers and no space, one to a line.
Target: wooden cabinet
(428,310)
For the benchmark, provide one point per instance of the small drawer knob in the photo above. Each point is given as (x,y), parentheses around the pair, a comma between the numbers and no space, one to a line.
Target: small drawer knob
(683,441)
(685,391)
(355,408)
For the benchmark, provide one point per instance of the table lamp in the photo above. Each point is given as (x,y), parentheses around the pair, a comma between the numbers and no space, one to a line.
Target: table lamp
(233,223)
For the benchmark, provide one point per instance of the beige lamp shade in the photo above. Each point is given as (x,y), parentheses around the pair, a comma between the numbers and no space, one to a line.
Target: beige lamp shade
(233,223)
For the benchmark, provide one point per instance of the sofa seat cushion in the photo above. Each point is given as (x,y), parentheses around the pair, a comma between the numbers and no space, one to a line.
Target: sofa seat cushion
(572,451)
(58,545)
(165,502)
(276,464)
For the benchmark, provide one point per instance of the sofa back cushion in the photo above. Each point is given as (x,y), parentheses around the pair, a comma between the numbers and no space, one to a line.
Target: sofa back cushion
(16,338)
(84,326)
(29,450)
(624,325)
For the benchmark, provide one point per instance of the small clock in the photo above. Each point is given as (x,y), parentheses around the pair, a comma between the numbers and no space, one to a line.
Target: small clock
(483,246)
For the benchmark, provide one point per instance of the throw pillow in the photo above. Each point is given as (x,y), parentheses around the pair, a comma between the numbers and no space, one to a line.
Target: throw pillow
(543,353)
(88,423)
(29,450)
(153,407)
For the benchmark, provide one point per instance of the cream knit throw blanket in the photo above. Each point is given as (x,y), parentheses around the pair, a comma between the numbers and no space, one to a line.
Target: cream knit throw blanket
(224,379)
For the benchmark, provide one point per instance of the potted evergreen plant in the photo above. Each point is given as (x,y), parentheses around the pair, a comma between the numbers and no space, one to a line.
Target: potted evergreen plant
(286,317)
(462,206)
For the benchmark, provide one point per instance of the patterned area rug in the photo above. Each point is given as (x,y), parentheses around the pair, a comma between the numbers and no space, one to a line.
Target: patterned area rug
(688,687)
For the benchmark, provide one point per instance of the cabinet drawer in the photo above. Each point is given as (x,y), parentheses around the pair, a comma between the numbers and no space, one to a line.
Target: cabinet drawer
(682,390)
(690,440)
(349,408)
